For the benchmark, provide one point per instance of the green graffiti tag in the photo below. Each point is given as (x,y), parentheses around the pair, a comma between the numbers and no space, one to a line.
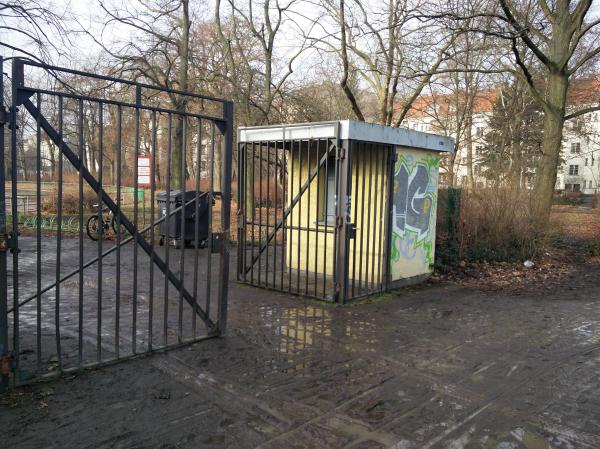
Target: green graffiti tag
(415,202)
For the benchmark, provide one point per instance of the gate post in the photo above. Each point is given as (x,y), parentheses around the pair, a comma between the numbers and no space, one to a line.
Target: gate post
(225,216)
(343,224)
(392,157)
(4,357)
(241,207)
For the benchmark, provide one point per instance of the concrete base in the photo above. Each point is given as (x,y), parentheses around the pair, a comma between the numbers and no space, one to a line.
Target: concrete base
(407,282)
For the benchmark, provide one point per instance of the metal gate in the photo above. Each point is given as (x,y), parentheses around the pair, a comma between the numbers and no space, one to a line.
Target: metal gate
(76,138)
(313,211)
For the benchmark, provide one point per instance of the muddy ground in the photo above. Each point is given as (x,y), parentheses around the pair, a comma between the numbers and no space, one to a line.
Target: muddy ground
(447,364)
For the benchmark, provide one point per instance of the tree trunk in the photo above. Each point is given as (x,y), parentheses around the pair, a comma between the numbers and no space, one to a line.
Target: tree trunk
(451,162)
(181,103)
(469,138)
(551,143)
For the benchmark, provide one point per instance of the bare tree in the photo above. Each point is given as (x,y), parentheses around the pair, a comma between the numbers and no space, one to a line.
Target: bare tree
(33,28)
(243,32)
(558,40)
(158,51)
(391,48)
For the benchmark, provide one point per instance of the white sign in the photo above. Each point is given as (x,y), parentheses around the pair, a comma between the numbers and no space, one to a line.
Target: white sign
(144,167)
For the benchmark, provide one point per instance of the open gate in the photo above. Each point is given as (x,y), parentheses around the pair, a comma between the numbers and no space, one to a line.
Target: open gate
(76,138)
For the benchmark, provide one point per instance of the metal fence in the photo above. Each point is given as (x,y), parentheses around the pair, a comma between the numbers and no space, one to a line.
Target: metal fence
(299,230)
(67,302)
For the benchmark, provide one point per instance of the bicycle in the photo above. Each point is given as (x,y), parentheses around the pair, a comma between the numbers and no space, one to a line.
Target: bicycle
(97,226)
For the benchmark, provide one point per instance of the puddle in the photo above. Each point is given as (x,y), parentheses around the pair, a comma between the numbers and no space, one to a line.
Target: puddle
(589,331)
(531,440)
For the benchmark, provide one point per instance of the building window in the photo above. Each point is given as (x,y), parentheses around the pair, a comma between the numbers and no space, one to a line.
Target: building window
(586,161)
(573,170)
(328,206)
(479,131)
(478,149)
(576,147)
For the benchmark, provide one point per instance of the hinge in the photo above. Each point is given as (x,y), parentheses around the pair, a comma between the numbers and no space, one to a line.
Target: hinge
(10,118)
(3,116)
(341,153)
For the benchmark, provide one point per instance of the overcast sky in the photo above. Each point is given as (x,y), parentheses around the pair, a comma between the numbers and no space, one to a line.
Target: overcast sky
(86,14)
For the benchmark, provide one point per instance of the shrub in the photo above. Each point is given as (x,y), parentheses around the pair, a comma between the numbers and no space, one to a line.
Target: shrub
(70,201)
(568,198)
(489,225)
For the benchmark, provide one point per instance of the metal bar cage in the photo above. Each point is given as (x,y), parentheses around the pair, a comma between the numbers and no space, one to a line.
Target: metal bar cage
(312,216)
(94,157)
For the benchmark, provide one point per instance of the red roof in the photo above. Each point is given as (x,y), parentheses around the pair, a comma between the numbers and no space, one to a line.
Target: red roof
(582,91)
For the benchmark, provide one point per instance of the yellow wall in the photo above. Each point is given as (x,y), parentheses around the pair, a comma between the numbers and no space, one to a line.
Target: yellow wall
(367,194)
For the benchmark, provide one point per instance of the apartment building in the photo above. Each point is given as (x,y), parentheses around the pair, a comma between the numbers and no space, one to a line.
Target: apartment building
(580,158)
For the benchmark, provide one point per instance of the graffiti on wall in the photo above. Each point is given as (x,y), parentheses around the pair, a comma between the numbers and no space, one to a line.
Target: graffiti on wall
(413,214)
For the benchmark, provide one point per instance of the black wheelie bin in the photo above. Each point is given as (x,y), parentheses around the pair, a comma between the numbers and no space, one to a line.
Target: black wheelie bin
(170,228)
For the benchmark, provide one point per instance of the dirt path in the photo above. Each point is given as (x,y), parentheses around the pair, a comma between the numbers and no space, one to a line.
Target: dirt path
(437,366)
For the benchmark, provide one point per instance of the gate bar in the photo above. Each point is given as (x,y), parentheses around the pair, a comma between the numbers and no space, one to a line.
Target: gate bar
(134,299)
(344,186)
(140,240)
(117,80)
(80,285)
(168,214)
(4,356)
(38,236)
(59,239)
(100,181)
(227,131)
(392,157)
(118,146)
(197,217)
(152,238)
(17,81)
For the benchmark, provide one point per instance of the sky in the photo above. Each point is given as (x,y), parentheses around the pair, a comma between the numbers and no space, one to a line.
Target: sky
(84,15)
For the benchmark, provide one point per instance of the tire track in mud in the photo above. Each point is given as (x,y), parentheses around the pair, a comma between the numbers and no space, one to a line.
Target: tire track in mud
(503,392)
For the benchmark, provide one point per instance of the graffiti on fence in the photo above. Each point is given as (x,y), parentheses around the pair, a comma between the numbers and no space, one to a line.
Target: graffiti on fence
(413,214)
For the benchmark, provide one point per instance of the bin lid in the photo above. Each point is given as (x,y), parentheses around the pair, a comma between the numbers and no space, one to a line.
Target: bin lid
(172,194)
(176,194)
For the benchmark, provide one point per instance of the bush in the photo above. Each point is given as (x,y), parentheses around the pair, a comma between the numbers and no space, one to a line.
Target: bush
(70,201)
(568,198)
(488,225)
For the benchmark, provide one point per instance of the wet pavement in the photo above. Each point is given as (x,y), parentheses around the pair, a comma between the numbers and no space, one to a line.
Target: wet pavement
(437,366)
